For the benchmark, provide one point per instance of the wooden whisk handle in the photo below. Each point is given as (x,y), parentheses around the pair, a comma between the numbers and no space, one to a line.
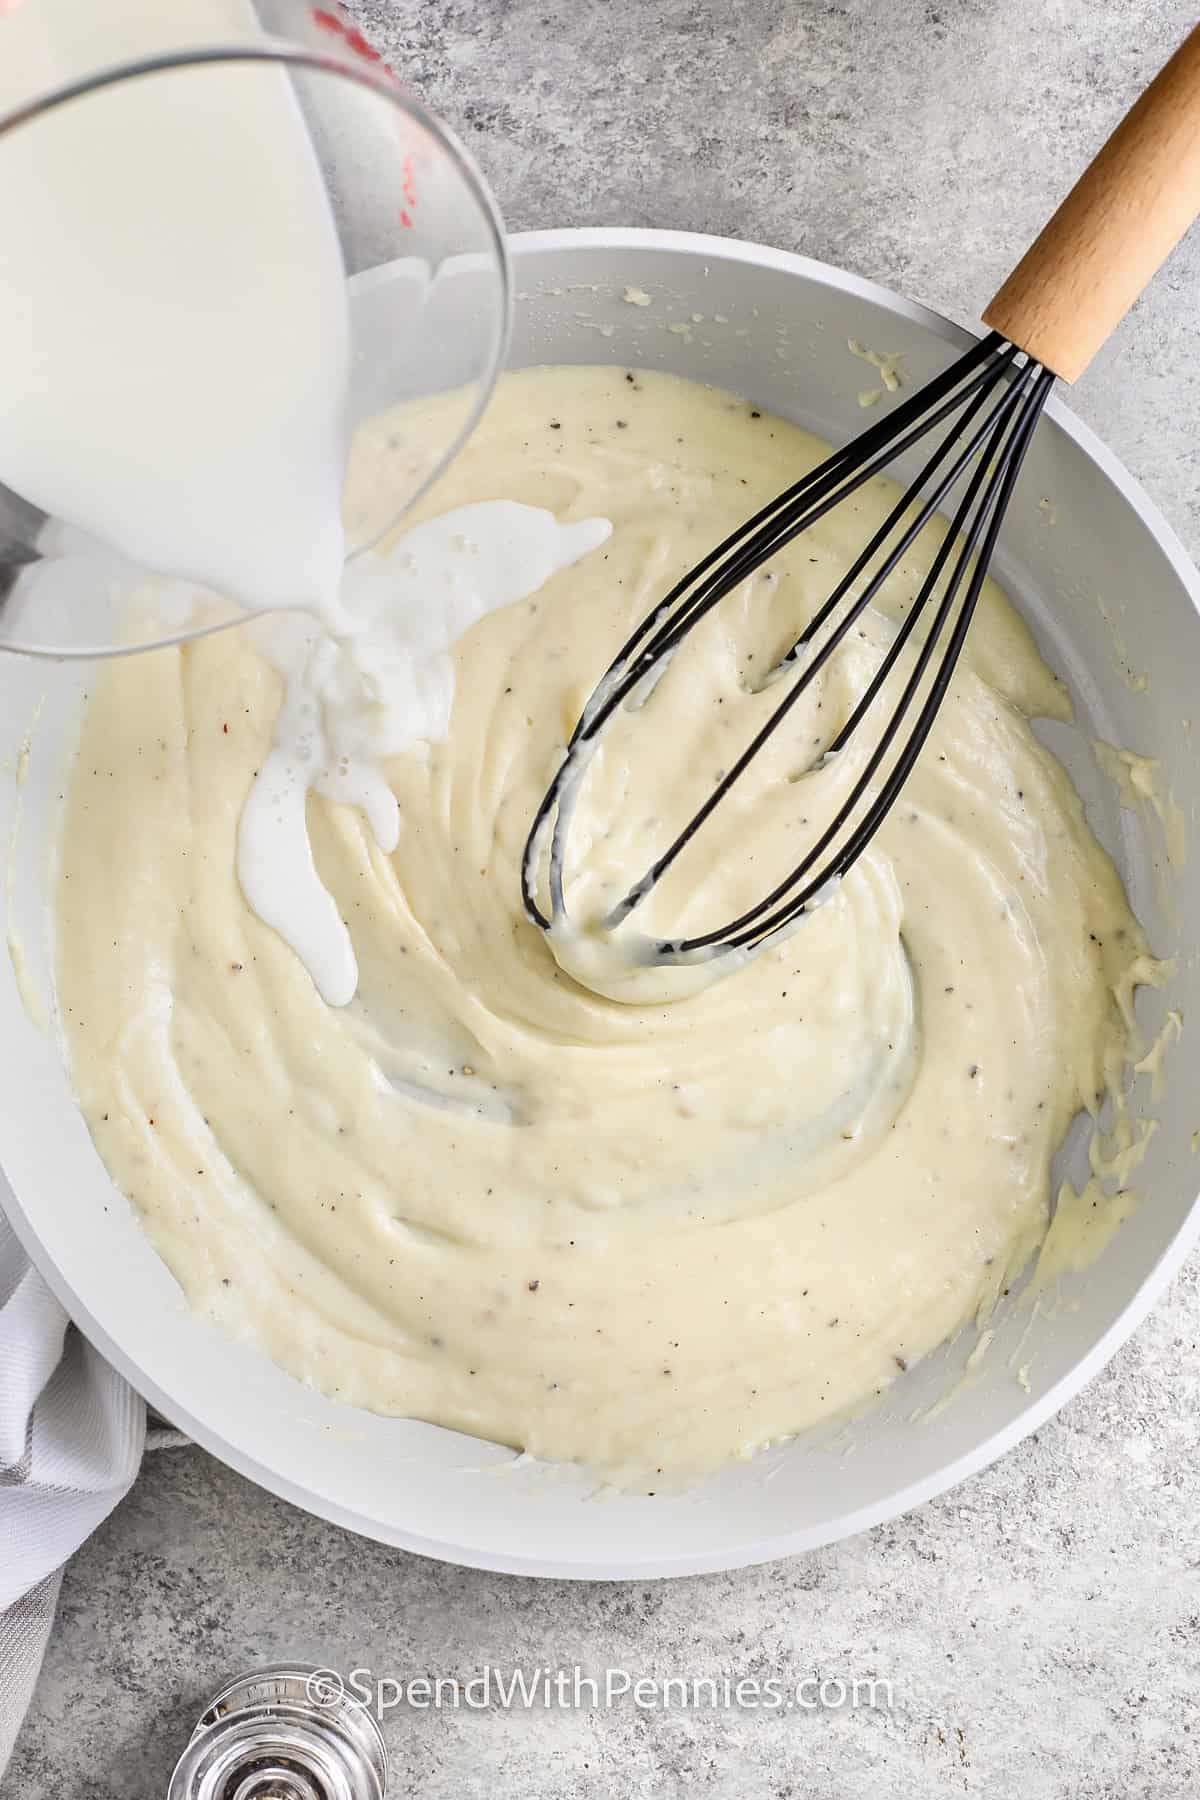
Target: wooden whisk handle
(1120,221)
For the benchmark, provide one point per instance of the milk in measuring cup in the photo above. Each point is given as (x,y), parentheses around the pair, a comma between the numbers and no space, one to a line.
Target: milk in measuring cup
(174,333)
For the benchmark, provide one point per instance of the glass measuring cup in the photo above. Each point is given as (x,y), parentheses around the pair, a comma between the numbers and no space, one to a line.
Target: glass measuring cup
(421,249)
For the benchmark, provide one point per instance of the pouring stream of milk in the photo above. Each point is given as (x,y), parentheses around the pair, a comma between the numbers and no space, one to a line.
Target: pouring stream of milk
(350,704)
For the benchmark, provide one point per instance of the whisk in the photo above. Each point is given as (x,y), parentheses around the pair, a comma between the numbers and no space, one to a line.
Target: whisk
(1049,318)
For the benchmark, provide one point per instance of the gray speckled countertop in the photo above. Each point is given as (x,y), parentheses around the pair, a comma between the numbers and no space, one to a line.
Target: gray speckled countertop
(1040,1625)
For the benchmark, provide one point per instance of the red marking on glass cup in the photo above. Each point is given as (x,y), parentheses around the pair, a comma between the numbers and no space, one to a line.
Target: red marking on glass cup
(340,26)
(344,29)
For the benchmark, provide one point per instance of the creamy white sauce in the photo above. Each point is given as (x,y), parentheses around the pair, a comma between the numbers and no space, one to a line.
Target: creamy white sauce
(650,1235)
(1138,781)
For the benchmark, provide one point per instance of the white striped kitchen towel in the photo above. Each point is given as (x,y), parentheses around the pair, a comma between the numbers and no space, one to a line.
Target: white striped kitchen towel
(71,1438)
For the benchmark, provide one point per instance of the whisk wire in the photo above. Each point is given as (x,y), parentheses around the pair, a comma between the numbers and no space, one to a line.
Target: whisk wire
(752,925)
(743,550)
(814,665)
(996,438)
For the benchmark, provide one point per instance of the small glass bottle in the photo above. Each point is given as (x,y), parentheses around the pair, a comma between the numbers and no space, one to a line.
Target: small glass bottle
(287,1732)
